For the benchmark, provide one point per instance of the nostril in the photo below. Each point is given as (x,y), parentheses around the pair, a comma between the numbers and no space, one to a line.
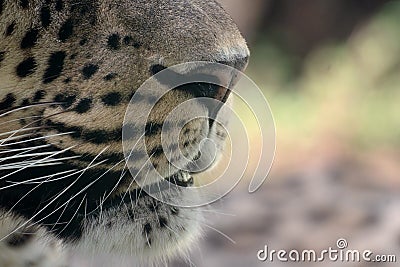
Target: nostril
(209,90)
(202,89)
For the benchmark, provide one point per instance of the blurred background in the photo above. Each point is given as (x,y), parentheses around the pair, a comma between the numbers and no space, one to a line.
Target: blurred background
(330,70)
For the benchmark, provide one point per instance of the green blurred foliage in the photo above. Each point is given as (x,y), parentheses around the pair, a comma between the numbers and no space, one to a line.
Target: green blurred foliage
(348,90)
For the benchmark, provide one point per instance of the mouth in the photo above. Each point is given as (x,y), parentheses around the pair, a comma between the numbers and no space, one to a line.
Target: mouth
(63,195)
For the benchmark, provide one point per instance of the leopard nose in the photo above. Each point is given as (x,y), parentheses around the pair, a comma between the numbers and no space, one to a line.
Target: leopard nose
(222,93)
(224,76)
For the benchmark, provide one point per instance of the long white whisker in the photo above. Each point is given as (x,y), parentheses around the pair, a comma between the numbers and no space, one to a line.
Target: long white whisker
(14,137)
(45,178)
(116,184)
(39,161)
(27,149)
(30,191)
(33,122)
(20,131)
(219,232)
(36,139)
(27,107)
(24,150)
(22,155)
(73,216)
(21,118)
(54,199)
(33,163)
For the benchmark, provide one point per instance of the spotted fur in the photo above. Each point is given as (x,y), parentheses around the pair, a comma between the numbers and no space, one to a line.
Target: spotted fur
(68,69)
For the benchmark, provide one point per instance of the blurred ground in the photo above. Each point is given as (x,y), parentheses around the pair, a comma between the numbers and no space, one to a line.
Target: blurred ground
(336,107)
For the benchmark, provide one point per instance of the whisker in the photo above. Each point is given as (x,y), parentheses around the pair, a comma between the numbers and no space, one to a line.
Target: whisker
(2,141)
(73,216)
(62,192)
(123,172)
(22,155)
(36,121)
(39,161)
(59,218)
(26,149)
(220,213)
(45,178)
(24,130)
(98,178)
(32,163)
(27,107)
(20,118)
(30,191)
(219,232)
(36,139)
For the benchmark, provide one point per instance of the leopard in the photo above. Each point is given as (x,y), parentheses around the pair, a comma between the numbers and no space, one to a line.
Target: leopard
(68,71)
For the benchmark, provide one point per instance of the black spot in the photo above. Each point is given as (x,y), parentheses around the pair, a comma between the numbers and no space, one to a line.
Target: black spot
(10,29)
(110,76)
(114,41)
(19,239)
(89,70)
(163,222)
(137,45)
(7,102)
(55,66)
(29,39)
(157,151)
(2,54)
(39,95)
(186,144)
(84,105)
(156,69)
(65,100)
(152,128)
(83,41)
(112,99)
(128,40)
(67,80)
(73,56)
(66,30)
(25,102)
(24,3)
(59,5)
(97,136)
(45,16)
(26,67)
(147,229)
